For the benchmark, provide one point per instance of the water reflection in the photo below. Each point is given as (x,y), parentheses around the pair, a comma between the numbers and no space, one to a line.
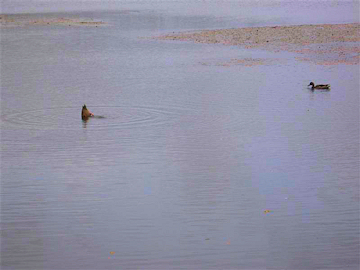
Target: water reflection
(183,159)
(84,123)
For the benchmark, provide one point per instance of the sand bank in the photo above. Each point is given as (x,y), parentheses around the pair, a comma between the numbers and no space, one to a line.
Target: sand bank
(21,20)
(326,44)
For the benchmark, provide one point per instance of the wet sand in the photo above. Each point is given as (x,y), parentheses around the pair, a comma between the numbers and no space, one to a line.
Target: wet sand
(21,20)
(326,44)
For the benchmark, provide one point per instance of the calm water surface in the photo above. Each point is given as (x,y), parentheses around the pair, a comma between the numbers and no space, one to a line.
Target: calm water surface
(189,155)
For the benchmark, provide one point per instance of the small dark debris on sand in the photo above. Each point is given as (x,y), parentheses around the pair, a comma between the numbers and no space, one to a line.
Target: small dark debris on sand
(325,44)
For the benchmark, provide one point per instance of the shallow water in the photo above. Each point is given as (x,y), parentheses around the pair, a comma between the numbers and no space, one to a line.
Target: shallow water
(190,152)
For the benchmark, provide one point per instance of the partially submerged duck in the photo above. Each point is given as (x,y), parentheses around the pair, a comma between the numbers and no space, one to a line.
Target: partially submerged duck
(319,86)
(85,113)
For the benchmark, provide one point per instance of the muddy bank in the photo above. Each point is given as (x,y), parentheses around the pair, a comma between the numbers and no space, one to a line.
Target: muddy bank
(322,44)
(21,20)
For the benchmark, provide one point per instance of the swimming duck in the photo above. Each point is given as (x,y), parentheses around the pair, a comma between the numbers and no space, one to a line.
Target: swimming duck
(85,113)
(319,86)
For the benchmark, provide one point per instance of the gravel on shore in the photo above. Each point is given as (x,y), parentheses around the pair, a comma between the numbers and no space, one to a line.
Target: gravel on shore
(327,43)
(21,20)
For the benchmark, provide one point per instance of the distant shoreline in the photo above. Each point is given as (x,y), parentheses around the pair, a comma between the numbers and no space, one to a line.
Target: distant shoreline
(21,20)
(323,44)
(329,44)
(259,36)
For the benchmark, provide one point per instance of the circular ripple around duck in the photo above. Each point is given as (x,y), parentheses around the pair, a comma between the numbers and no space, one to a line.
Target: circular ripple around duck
(130,117)
(69,118)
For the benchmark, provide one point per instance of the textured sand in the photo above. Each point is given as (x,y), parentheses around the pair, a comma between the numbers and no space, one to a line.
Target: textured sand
(21,20)
(327,44)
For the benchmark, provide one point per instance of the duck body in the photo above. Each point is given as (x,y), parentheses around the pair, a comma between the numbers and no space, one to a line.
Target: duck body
(85,113)
(319,86)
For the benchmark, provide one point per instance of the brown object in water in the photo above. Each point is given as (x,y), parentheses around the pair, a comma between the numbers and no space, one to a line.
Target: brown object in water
(319,86)
(85,113)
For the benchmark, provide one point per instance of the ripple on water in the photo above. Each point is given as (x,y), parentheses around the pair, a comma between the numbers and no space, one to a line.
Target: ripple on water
(68,118)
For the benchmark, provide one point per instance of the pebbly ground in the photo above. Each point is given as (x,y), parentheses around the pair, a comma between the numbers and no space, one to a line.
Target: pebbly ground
(326,44)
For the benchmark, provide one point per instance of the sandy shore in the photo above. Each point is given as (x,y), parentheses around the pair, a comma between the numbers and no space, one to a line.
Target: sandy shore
(21,20)
(327,44)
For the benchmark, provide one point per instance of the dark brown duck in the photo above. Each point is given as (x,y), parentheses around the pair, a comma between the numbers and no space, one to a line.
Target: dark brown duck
(319,86)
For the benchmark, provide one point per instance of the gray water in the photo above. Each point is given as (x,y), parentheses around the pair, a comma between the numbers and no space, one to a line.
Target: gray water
(188,156)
